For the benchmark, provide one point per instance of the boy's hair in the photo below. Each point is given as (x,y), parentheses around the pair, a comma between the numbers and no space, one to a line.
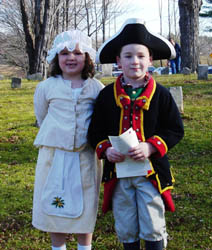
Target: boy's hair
(88,70)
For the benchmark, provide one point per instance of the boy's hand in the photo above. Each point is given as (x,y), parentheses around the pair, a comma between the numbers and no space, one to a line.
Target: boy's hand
(142,151)
(114,156)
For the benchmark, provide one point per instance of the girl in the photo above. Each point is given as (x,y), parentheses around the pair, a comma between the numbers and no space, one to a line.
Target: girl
(67,174)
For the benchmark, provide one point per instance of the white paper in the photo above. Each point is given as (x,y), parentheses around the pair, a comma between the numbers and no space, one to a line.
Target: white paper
(129,167)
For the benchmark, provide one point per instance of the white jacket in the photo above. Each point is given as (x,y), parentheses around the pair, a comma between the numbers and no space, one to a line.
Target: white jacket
(63,118)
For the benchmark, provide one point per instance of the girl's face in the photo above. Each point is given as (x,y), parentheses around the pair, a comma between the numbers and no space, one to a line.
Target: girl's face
(134,60)
(71,63)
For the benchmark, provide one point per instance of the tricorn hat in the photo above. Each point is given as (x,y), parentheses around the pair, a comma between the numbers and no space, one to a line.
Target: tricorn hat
(134,31)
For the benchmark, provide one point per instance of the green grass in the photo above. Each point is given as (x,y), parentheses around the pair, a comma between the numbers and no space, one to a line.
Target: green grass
(189,228)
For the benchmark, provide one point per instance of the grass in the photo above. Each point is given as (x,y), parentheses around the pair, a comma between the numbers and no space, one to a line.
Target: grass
(189,228)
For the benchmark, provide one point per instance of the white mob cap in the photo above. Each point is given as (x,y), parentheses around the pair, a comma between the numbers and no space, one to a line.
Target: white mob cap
(69,39)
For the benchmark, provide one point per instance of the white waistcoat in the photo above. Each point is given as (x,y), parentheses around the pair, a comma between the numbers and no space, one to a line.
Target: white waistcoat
(62,118)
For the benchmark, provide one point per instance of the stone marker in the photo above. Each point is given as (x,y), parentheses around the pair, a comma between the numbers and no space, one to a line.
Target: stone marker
(202,72)
(165,71)
(107,69)
(186,71)
(1,77)
(98,75)
(177,94)
(16,82)
(37,76)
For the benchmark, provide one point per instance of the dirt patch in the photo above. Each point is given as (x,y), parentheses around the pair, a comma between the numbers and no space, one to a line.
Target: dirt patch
(11,71)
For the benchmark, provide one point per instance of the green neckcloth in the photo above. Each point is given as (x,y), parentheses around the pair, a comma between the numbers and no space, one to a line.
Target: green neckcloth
(133,93)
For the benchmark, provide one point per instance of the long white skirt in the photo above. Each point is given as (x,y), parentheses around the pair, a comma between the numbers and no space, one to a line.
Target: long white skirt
(91,173)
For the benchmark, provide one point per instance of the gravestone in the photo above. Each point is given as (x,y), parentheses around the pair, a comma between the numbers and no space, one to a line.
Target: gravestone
(186,71)
(165,71)
(177,94)
(98,75)
(202,72)
(107,69)
(1,77)
(37,76)
(16,82)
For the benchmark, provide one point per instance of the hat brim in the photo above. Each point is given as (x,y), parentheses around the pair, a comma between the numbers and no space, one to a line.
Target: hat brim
(135,32)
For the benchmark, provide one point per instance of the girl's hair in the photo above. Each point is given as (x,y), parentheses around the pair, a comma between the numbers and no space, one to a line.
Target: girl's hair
(88,70)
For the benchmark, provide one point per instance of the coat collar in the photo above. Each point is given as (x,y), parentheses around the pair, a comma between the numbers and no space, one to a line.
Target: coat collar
(143,101)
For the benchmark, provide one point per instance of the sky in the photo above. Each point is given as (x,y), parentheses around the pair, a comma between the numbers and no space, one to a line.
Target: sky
(148,10)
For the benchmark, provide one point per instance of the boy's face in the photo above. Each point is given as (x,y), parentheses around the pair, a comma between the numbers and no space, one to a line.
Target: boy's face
(134,60)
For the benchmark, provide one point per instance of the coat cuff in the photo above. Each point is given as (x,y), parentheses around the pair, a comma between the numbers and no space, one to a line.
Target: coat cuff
(159,144)
(101,148)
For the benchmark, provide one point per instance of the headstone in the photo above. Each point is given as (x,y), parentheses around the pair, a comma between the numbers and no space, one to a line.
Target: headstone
(37,76)
(1,77)
(16,82)
(98,75)
(107,69)
(177,94)
(165,71)
(202,72)
(186,71)
(36,124)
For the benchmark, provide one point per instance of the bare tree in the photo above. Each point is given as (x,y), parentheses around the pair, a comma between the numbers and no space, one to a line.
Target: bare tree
(12,51)
(173,19)
(169,17)
(36,22)
(189,28)
(11,38)
(160,8)
(36,33)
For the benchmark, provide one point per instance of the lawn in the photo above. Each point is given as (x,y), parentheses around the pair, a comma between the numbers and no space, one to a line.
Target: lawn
(189,228)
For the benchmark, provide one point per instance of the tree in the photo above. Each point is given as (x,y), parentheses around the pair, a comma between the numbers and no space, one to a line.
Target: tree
(173,19)
(189,29)
(160,8)
(34,24)
(11,38)
(37,34)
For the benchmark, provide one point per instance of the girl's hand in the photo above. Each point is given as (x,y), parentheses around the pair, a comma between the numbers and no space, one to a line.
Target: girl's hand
(114,156)
(142,151)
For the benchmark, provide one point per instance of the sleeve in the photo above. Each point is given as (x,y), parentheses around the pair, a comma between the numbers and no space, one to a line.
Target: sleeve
(97,131)
(40,103)
(169,130)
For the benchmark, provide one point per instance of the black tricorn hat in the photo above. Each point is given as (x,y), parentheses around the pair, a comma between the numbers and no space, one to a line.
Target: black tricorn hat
(134,31)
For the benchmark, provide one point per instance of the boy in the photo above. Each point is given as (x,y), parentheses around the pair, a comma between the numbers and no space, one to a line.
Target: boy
(136,100)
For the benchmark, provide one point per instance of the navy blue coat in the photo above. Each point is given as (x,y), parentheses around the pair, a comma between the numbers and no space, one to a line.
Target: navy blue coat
(155,118)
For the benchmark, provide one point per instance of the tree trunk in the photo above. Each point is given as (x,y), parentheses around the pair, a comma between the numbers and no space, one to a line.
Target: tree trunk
(37,36)
(161,22)
(169,18)
(67,16)
(103,20)
(189,29)
(28,38)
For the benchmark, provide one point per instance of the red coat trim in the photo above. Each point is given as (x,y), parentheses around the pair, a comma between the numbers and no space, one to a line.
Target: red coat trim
(142,102)
(166,196)
(159,144)
(101,147)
